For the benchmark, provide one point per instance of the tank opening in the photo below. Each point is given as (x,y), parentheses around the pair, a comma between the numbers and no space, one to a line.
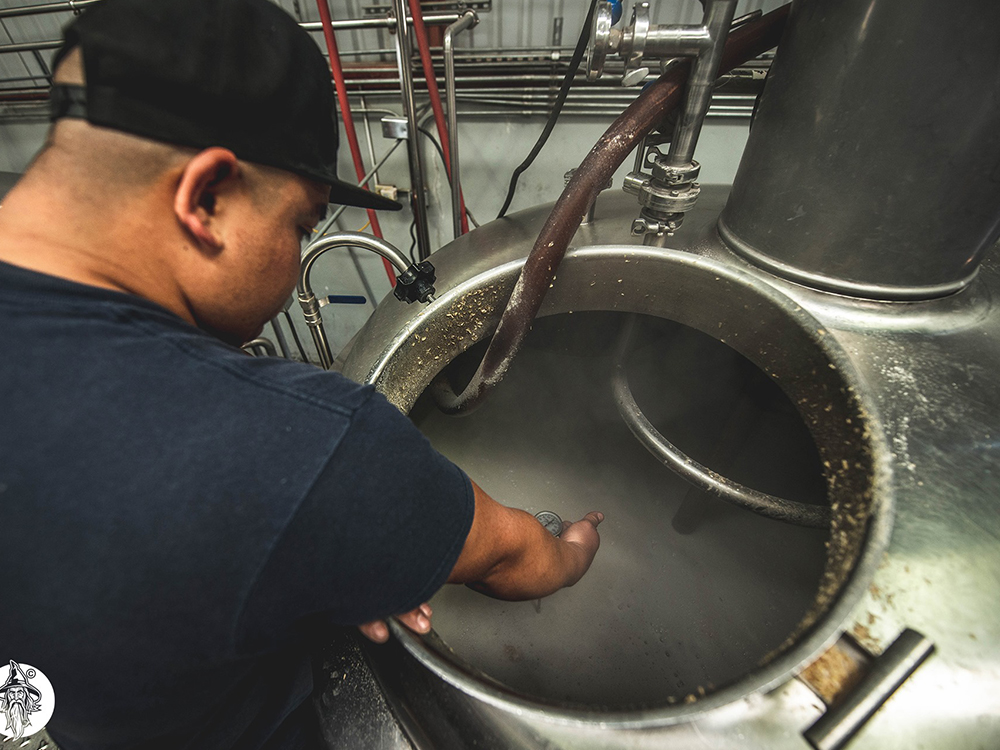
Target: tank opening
(688,593)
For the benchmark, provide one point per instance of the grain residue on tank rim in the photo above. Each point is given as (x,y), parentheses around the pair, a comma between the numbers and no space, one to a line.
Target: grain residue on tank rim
(838,421)
(833,674)
(445,334)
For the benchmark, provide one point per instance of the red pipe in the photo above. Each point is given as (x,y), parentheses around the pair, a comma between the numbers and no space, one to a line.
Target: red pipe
(21,95)
(432,88)
(345,110)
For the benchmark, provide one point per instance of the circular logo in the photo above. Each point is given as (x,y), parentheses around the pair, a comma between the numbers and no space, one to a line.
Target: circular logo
(26,700)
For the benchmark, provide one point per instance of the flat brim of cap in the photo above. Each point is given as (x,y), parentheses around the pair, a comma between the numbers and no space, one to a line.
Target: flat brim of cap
(345,194)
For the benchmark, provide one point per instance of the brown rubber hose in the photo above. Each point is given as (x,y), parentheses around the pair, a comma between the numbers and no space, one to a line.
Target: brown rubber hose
(618,141)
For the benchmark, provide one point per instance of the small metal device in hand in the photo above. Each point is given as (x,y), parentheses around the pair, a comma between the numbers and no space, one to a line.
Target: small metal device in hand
(552,522)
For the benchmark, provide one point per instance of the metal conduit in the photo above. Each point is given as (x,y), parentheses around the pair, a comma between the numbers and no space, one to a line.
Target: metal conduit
(388,21)
(769,506)
(418,198)
(604,158)
(73,6)
(468,20)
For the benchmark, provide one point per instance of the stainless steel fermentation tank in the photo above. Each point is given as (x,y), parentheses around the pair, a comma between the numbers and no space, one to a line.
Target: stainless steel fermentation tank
(854,264)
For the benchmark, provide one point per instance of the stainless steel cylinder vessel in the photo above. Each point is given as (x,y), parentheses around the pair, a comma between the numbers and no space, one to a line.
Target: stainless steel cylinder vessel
(873,165)
(400,351)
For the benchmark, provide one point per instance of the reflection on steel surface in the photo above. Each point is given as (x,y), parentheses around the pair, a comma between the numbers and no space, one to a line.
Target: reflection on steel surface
(927,374)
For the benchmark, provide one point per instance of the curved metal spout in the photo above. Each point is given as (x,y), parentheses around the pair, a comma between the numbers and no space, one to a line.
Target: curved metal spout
(761,503)
(307,299)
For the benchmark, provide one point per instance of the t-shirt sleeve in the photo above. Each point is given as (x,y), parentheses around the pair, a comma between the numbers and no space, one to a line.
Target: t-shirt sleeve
(377,534)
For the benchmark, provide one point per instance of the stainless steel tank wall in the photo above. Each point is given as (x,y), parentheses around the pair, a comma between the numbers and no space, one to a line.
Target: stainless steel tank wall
(873,164)
(401,350)
(927,365)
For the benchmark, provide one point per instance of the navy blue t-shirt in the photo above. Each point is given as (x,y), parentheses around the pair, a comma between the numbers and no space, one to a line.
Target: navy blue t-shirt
(181,521)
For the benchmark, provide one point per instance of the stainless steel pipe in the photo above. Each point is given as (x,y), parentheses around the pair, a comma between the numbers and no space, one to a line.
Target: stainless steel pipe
(664,41)
(699,476)
(418,197)
(467,21)
(704,70)
(387,21)
(29,47)
(266,344)
(36,10)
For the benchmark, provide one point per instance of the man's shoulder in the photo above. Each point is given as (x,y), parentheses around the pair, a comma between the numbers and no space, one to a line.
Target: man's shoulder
(113,336)
(267,378)
(119,336)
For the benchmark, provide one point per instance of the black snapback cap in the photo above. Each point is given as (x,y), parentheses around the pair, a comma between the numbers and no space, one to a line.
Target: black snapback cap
(240,74)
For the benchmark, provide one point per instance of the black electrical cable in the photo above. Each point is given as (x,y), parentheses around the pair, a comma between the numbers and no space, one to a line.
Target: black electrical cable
(295,336)
(413,240)
(440,151)
(574,66)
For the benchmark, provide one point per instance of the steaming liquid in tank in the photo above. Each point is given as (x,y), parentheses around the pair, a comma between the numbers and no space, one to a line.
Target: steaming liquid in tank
(687,592)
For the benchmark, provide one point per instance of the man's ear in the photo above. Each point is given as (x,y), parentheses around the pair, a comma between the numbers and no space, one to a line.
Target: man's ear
(205,176)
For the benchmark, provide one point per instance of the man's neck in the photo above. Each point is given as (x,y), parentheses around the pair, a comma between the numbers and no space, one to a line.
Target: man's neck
(49,232)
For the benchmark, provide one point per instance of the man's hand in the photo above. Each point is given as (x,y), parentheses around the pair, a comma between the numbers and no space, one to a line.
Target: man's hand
(584,534)
(417,620)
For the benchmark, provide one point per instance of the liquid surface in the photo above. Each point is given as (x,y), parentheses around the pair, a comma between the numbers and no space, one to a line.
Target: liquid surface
(687,592)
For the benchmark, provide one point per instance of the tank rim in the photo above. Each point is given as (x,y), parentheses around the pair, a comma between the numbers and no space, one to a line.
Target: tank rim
(819,635)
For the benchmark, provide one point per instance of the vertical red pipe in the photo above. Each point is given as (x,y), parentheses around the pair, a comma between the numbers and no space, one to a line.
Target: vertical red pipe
(345,110)
(432,88)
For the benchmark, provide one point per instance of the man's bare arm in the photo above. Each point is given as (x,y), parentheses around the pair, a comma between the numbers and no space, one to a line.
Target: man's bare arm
(508,554)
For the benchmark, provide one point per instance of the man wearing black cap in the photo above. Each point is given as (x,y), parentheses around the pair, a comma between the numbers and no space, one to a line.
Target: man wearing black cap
(181,521)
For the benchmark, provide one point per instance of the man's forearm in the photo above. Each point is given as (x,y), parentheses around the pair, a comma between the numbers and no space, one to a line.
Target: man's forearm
(509,555)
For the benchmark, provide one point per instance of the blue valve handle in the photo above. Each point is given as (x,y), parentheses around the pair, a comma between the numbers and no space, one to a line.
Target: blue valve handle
(346,299)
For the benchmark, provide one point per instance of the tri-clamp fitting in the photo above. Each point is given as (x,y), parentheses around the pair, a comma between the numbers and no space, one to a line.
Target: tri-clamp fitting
(641,44)
(670,191)
(665,196)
